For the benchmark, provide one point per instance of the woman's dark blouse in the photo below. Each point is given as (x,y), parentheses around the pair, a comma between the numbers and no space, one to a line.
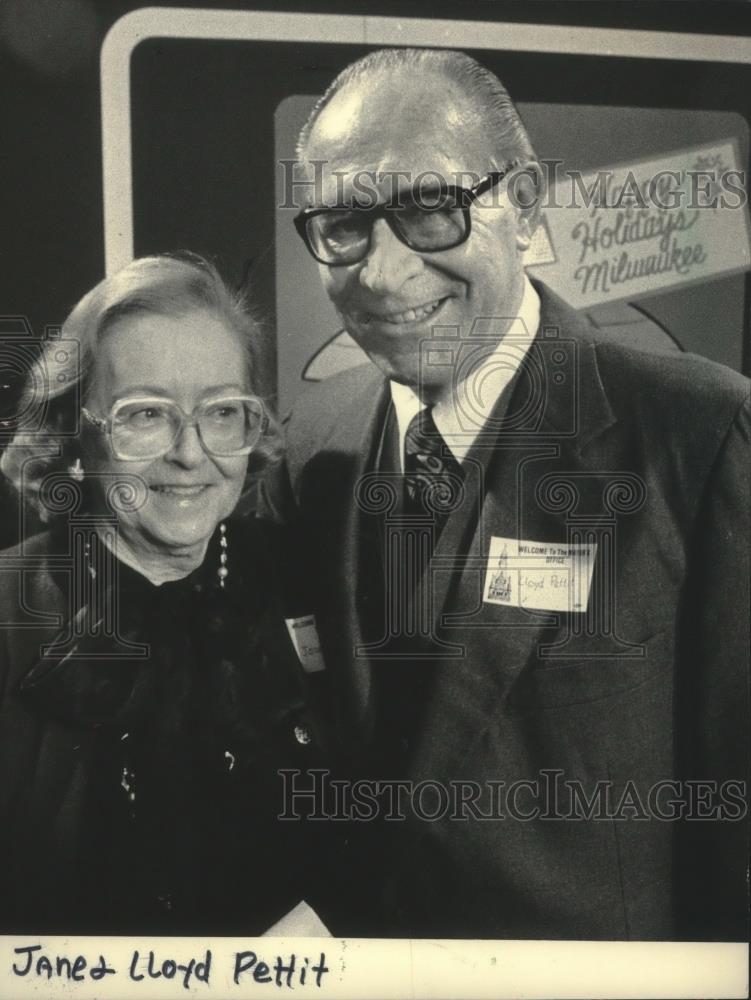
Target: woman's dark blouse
(141,792)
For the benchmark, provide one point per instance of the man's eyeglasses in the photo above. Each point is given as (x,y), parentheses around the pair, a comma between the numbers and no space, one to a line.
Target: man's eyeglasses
(430,220)
(145,427)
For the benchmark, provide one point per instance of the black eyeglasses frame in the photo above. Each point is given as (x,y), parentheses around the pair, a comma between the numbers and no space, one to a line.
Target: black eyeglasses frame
(465,198)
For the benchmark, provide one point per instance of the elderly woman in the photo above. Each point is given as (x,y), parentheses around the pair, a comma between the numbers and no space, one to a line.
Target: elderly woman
(149,690)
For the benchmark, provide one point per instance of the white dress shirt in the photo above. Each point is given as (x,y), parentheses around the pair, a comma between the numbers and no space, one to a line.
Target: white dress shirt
(461,417)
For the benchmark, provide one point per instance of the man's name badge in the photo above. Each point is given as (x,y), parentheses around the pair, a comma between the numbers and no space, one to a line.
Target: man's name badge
(541,576)
(304,636)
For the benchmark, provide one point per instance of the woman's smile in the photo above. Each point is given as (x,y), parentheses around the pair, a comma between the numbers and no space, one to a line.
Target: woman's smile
(180,496)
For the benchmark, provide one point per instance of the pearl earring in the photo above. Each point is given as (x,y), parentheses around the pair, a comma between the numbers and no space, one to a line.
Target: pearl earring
(75,471)
(222,572)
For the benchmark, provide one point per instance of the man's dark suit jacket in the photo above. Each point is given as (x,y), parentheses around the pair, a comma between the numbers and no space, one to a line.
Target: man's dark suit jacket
(651,458)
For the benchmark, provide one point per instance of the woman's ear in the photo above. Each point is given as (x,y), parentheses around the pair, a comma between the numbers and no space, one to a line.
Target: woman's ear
(526,188)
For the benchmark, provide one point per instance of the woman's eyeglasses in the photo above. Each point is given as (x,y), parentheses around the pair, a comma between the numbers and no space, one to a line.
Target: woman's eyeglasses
(426,220)
(145,427)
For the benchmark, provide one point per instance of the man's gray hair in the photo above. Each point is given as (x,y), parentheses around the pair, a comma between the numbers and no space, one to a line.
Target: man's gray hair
(488,98)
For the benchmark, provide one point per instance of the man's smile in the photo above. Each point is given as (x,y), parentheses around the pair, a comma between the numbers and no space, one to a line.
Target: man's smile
(413,314)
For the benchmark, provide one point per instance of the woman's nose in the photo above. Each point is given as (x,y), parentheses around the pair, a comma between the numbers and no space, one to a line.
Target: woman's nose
(389,262)
(187,449)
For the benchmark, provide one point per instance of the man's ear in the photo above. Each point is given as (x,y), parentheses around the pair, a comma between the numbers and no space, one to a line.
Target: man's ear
(526,188)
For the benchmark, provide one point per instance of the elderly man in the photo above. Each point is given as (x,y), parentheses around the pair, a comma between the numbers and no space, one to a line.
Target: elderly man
(525,546)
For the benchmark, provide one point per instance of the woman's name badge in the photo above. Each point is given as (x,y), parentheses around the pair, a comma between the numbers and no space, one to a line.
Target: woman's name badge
(304,636)
(542,576)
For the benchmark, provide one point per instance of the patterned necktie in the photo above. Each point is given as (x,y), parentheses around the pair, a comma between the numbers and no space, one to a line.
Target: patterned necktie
(432,476)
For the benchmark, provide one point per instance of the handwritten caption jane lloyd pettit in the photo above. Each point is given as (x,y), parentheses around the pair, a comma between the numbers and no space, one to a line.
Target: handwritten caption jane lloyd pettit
(284,971)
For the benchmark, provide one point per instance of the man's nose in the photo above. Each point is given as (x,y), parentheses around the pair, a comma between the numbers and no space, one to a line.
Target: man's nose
(187,449)
(389,262)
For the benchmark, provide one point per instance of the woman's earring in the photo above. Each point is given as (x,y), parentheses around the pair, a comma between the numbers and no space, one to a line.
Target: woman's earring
(75,471)
(222,572)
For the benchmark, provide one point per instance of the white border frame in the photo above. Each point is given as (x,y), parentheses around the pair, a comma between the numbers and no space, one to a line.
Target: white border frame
(235,25)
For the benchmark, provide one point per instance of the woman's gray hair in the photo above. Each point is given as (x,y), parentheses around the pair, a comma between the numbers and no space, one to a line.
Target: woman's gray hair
(58,384)
(488,99)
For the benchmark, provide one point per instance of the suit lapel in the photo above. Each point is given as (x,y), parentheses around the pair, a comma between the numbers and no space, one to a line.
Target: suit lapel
(561,427)
(497,504)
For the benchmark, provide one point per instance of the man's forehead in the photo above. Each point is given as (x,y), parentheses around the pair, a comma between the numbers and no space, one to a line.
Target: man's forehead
(396,136)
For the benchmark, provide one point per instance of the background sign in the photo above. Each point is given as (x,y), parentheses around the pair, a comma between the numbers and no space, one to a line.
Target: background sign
(625,231)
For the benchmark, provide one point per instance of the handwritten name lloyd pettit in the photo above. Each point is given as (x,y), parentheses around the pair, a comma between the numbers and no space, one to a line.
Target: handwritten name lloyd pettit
(538,575)
(555,581)
(284,971)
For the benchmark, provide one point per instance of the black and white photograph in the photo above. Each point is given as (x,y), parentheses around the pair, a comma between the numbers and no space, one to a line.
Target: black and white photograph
(374,499)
